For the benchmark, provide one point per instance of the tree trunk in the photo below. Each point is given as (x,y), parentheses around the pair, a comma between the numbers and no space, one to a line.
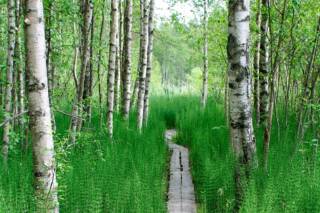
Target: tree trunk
(87,93)
(50,68)
(275,71)
(308,76)
(241,128)
(18,105)
(135,91)
(76,119)
(39,109)
(118,63)
(99,62)
(112,64)
(204,94)
(143,65)
(264,64)
(149,62)
(256,89)
(88,14)
(126,67)
(9,77)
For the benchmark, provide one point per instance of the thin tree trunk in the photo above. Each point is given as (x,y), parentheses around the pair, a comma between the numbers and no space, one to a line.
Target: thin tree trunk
(17,66)
(135,91)
(87,93)
(112,64)
(9,76)
(21,80)
(256,65)
(241,128)
(149,62)
(50,69)
(292,54)
(76,123)
(39,110)
(307,80)
(102,26)
(204,94)
(264,64)
(126,67)
(312,101)
(88,14)
(119,62)
(143,66)
(275,70)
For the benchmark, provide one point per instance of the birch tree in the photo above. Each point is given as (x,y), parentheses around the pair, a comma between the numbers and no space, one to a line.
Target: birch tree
(76,120)
(50,68)
(117,77)
(273,85)
(264,63)
(241,128)
(39,109)
(87,92)
(101,34)
(149,61)
(19,68)
(143,65)
(9,76)
(256,62)
(126,72)
(204,94)
(112,64)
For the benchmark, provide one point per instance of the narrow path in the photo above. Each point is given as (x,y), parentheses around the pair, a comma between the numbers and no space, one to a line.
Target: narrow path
(181,198)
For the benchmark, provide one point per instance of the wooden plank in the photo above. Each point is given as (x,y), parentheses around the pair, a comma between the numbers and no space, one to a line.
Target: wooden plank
(181,197)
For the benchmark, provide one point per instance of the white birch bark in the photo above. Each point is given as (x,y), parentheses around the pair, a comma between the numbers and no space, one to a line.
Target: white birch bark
(149,61)
(204,94)
(101,34)
(256,62)
(126,67)
(112,64)
(143,66)
(241,128)
(264,69)
(39,110)
(9,76)
(119,58)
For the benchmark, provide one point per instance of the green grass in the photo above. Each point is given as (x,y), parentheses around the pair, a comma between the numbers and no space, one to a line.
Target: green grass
(130,174)
(126,175)
(292,182)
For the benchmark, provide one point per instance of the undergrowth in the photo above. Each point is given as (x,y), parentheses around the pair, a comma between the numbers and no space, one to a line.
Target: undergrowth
(290,185)
(129,174)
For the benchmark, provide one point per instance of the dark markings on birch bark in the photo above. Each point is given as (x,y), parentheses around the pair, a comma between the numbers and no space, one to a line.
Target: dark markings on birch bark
(264,65)
(143,65)
(126,60)
(256,87)
(204,94)
(149,62)
(241,128)
(112,65)
(46,188)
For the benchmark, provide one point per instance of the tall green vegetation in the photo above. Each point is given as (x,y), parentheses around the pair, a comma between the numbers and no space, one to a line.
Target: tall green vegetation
(92,54)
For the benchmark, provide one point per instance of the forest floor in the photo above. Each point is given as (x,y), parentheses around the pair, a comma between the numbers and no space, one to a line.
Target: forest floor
(181,196)
(131,173)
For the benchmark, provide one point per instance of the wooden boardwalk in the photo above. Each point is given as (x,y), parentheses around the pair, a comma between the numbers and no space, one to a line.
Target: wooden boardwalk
(181,197)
